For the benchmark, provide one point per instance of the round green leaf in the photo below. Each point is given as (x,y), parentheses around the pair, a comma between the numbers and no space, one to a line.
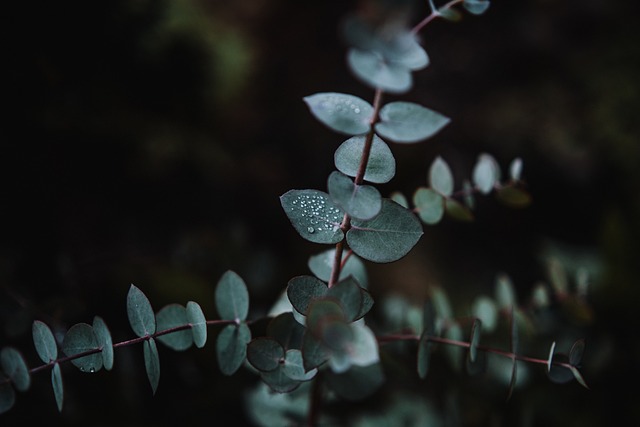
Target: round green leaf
(198,323)
(313,351)
(440,177)
(359,201)
(314,215)
(152,363)
(140,313)
(279,382)
(381,165)
(171,316)
(388,237)
(302,290)
(346,114)
(485,309)
(486,173)
(322,264)
(56,383)
(576,352)
(515,169)
(363,348)
(7,395)
(429,205)
(406,122)
(477,7)
(505,292)
(358,382)
(558,373)
(349,295)
(514,197)
(103,336)
(265,354)
(14,365)
(286,330)
(374,70)
(232,297)
(79,339)
(231,347)
(399,198)
(44,341)
(294,367)
(457,210)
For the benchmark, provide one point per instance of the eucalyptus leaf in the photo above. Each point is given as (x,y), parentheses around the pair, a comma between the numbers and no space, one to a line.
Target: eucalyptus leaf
(486,173)
(140,313)
(349,295)
(429,205)
(424,354)
(80,339)
(321,266)
(515,169)
(265,354)
(475,340)
(576,352)
(15,367)
(314,353)
(314,215)
(44,341)
(559,373)
(381,165)
(400,199)
(152,363)
(513,196)
(406,122)
(198,323)
(440,177)
(57,384)
(293,367)
(279,382)
(231,347)
(374,70)
(359,201)
(477,7)
(388,237)
(343,113)
(232,297)
(171,316)
(103,337)
(7,395)
(286,330)
(302,290)
(457,210)
(484,308)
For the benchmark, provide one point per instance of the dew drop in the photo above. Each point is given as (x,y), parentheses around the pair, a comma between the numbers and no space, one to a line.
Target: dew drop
(311,230)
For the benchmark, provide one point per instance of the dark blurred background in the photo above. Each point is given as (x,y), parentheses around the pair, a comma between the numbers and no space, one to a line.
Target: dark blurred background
(148,141)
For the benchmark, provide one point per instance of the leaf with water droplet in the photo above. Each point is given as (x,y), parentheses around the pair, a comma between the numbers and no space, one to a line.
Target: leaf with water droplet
(343,113)
(406,122)
(388,237)
(15,367)
(313,215)
(381,165)
(80,338)
(359,201)
(429,205)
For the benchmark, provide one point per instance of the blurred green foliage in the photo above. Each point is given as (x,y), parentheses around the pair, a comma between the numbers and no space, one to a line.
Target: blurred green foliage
(148,142)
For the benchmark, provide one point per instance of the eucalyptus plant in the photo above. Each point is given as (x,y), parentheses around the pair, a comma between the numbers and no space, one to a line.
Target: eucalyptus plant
(318,346)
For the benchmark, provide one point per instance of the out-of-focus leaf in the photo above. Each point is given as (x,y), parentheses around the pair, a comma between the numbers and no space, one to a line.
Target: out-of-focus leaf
(440,177)
(406,122)
(429,205)
(15,367)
